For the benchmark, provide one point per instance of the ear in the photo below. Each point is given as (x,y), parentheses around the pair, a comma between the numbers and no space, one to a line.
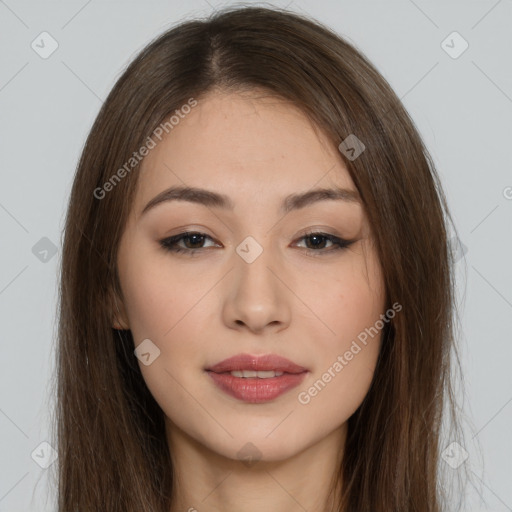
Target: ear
(118,313)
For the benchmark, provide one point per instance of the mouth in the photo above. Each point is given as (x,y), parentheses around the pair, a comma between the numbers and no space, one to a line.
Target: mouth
(256,379)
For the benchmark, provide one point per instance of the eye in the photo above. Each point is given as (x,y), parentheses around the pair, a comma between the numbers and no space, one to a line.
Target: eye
(317,241)
(193,241)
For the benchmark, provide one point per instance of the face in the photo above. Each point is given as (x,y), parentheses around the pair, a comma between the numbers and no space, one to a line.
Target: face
(262,272)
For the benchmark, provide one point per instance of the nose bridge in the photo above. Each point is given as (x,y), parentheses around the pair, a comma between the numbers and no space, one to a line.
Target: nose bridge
(254,275)
(257,297)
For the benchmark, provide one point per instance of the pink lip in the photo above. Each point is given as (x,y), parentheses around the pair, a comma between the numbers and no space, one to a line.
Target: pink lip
(255,389)
(258,363)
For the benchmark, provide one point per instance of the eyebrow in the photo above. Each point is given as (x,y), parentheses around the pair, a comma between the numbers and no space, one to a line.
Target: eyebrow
(217,200)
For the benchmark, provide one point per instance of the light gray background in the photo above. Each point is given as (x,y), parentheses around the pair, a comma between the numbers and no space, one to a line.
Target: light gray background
(462,107)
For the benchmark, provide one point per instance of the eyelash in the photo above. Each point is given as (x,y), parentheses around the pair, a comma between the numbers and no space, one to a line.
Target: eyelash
(169,244)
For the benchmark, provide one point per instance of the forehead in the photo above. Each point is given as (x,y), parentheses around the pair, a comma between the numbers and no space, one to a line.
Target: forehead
(247,145)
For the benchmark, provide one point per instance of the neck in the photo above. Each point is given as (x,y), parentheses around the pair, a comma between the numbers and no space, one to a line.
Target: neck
(207,481)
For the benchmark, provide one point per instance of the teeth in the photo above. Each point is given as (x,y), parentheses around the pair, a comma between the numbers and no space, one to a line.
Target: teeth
(252,373)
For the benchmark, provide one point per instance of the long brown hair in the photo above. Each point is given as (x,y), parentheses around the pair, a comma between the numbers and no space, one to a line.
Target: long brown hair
(110,435)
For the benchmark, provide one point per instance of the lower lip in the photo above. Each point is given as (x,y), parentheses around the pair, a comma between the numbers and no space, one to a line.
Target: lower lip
(255,390)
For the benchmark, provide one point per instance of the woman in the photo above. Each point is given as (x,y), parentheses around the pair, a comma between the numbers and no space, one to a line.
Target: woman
(257,287)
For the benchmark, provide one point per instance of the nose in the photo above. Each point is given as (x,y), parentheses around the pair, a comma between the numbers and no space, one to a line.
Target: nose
(256,296)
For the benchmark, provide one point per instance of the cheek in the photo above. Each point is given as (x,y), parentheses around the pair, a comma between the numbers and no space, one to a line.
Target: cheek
(350,310)
(173,318)
(157,301)
(345,362)
(166,308)
(348,304)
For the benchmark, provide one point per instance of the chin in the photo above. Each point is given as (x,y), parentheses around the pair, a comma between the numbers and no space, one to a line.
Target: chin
(256,445)
(260,450)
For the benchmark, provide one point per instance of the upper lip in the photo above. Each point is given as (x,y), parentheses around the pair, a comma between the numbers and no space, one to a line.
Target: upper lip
(264,362)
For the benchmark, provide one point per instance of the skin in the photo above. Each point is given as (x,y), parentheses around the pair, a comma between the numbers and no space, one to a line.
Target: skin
(304,305)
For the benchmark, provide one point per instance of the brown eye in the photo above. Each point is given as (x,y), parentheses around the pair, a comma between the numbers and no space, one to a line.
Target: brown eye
(317,242)
(195,239)
(192,241)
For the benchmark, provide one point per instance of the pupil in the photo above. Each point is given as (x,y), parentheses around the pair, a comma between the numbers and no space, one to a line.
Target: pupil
(193,237)
(317,238)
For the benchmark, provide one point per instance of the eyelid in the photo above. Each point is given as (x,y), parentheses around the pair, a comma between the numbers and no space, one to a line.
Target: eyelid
(320,230)
(339,243)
